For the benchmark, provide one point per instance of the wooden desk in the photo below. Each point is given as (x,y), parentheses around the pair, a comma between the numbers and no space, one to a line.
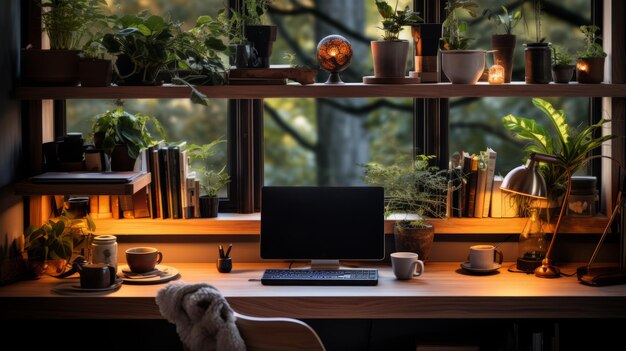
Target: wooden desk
(442,292)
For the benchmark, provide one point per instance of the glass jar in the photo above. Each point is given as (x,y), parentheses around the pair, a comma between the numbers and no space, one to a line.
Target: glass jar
(583,198)
(104,250)
(532,243)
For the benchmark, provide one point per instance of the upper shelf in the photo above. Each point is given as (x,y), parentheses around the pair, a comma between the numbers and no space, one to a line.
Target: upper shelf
(27,188)
(318,90)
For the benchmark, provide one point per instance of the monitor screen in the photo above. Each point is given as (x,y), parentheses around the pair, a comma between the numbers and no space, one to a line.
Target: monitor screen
(322,223)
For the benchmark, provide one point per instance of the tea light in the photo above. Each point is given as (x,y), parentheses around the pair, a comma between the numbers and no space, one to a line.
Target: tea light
(496,74)
(582,66)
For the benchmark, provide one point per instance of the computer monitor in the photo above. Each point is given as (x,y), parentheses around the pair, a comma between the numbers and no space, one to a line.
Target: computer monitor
(322,224)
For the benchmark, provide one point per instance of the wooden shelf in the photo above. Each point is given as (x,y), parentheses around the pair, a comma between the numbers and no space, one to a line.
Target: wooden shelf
(28,188)
(250,224)
(350,90)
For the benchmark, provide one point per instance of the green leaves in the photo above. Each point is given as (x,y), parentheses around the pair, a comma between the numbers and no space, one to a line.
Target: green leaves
(593,48)
(453,37)
(393,21)
(573,148)
(50,241)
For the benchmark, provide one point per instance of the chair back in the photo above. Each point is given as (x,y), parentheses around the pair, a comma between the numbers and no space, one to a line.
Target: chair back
(277,334)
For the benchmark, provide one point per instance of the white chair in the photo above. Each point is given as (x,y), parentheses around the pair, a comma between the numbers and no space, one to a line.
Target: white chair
(277,334)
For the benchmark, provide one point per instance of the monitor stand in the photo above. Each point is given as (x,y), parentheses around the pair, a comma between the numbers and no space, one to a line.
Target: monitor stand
(325,264)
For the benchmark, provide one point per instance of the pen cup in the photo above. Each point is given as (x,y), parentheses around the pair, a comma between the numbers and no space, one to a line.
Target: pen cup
(224,265)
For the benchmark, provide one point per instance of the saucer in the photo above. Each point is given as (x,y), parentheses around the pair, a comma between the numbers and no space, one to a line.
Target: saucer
(161,274)
(74,289)
(468,267)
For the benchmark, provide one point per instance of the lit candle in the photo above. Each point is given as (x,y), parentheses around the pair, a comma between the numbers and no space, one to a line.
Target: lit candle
(582,66)
(332,51)
(496,74)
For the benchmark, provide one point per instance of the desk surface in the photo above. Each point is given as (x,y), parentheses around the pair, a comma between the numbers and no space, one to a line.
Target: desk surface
(444,291)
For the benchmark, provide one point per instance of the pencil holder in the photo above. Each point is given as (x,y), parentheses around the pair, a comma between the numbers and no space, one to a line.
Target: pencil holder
(224,265)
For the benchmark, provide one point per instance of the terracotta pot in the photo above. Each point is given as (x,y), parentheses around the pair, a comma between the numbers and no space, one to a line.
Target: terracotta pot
(538,63)
(504,46)
(463,66)
(590,70)
(262,38)
(209,206)
(562,73)
(50,67)
(418,240)
(95,72)
(390,58)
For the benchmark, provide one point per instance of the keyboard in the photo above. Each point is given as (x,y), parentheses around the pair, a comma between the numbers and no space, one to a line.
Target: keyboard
(344,277)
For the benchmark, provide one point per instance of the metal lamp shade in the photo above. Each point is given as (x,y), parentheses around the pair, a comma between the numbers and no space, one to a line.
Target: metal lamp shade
(525,180)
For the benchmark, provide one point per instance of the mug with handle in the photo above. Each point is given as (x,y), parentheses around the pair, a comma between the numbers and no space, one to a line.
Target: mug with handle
(484,256)
(405,265)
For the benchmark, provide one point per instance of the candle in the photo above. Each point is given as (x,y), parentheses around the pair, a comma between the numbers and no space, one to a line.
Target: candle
(582,66)
(496,74)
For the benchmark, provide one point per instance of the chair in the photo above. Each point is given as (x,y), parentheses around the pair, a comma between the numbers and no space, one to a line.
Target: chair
(277,334)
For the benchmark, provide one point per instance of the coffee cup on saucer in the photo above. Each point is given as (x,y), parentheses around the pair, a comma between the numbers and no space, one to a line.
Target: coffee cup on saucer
(143,259)
(484,256)
(97,276)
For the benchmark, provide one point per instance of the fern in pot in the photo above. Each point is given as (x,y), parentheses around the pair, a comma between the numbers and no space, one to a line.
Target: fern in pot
(390,54)
(590,65)
(459,64)
(65,22)
(412,193)
(211,181)
(562,65)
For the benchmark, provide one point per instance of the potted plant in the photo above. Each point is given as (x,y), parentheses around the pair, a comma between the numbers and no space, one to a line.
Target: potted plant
(49,247)
(145,45)
(504,44)
(571,146)
(94,70)
(417,191)
(211,182)
(562,65)
(65,22)
(460,65)
(537,55)
(123,135)
(262,36)
(230,26)
(590,65)
(390,54)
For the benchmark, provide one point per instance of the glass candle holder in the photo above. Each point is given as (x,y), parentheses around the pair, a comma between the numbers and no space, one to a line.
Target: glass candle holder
(334,54)
(496,74)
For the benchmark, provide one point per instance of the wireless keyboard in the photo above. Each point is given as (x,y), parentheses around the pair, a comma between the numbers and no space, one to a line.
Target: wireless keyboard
(345,277)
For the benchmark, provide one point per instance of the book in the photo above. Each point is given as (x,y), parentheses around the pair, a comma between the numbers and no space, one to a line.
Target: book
(472,180)
(174,181)
(491,169)
(155,185)
(495,209)
(164,203)
(481,182)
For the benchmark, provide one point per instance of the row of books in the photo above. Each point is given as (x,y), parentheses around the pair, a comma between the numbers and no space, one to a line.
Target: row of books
(173,192)
(477,188)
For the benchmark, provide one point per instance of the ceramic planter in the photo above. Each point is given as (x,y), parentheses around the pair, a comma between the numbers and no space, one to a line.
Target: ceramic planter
(209,206)
(463,66)
(504,46)
(241,55)
(538,63)
(390,58)
(50,67)
(562,73)
(95,72)
(590,70)
(262,38)
(418,240)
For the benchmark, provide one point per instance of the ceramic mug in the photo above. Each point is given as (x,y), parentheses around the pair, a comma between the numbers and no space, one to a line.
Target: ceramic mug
(484,256)
(405,265)
(96,276)
(143,259)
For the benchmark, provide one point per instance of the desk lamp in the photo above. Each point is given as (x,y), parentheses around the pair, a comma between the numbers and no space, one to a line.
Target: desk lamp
(334,54)
(526,181)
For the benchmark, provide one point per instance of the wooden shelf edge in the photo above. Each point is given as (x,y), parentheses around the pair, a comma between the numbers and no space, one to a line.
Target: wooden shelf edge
(28,188)
(249,224)
(320,90)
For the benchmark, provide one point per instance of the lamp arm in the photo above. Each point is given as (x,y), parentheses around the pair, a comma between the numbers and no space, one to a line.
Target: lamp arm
(618,204)
(561,215)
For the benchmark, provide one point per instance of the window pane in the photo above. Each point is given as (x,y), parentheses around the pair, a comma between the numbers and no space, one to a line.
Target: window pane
(323,141)
(476,124)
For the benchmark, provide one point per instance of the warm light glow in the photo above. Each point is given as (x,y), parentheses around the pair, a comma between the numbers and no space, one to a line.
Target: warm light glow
(334,53)
(496,74)
(582,66)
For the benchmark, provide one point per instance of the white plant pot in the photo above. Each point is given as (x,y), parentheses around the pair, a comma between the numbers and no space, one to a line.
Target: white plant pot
(463,66)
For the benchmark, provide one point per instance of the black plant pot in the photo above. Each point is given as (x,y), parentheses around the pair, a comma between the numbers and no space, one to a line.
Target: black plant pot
(120,160)
(538,63)
(262,38)
(562,73)
(209,206)
(504,46)
(95,72)
(241,55)
(125,67)
(49,67)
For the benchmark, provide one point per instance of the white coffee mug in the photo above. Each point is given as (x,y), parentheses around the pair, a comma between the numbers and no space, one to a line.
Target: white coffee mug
(405,264)
(484,256)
